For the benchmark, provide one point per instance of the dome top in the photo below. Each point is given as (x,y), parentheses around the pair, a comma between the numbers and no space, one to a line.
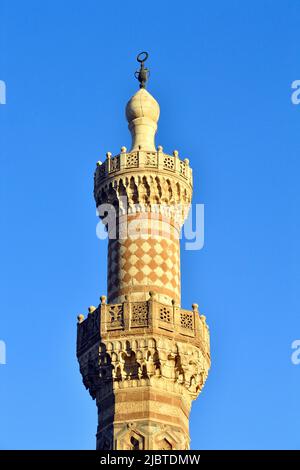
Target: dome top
(142,113)
(142,104)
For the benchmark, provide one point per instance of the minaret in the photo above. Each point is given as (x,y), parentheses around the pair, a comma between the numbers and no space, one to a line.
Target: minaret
(142,357)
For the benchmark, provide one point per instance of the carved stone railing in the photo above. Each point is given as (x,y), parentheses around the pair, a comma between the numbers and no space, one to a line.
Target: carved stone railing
(142,160)
(141,317)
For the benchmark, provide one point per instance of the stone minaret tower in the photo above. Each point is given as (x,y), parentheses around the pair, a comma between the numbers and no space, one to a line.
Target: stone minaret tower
(142,357)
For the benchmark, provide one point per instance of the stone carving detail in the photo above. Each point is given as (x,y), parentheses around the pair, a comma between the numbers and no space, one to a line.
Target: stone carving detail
(182,168)
(142,359)
(131,160)
(165,314)
(164,444)
(167,438)
(134,436)
(169,162)
(141,159)
(151,159)
(139,314)
(132,360)
(115,163)
(116,319)
(148,191)
(186,320)
(133,441)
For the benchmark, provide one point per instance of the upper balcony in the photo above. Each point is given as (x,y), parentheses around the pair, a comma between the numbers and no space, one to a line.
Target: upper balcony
(129,162)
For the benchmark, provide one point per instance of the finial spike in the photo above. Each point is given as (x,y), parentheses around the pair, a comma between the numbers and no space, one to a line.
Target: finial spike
(143,74)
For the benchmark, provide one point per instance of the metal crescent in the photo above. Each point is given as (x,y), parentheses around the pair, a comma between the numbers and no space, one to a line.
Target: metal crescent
(140,57)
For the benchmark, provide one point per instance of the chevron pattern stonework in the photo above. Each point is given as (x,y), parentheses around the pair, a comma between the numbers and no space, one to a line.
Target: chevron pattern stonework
(139,265)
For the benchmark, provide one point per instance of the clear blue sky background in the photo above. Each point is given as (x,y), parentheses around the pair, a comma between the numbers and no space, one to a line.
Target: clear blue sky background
(222,73)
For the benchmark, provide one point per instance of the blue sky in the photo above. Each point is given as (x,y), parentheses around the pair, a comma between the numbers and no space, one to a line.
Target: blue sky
(222,73)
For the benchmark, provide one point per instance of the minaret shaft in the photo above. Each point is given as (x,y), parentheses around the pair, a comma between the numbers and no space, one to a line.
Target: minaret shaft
(146,257)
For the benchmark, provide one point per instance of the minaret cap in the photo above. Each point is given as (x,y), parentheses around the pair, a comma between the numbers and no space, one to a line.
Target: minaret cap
(142,113)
